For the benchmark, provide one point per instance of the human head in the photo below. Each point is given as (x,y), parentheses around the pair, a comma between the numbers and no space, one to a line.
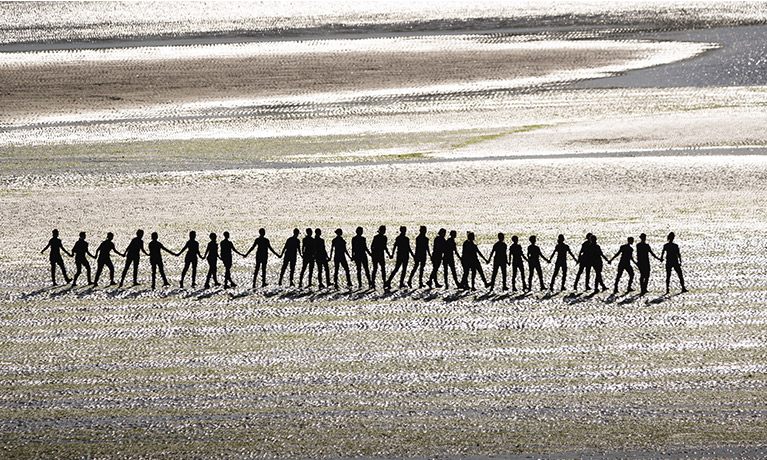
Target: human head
(561,238)
(593,238)
(261,231)
(140,233)
(192,235)
(514,239)
(470,236)
(501,237)
(82,235)
(403,230)
(670,237)
(110,235)
(226,235)
(359,231)
(631,240)
(453,233)
(532,239)
(339,232)
(55,233)
(642,237)
(317,232)
(154,235)
(308,232)
(422,229)
(588,236)
(296,232)
(442,232)
(382,229)
(213,237)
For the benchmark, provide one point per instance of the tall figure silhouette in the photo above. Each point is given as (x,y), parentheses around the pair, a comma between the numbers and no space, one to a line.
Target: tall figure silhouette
(379,249)
(534,257)
(500,261)
(80,252)
(402,249)
(673,261)
(321,258)
(290,256)
(227,248)
(626,252)
(211,255)
(339,253)
(307,257)
(419,258)
(583,263)
(103,259)
(155,259)
(643,263)
(437,254)
(262,256)
(595,257)
(360,254)
(517,264)
(561,250)
(132,253)
(55,246)
(448,258)
(470,256)
(192,248)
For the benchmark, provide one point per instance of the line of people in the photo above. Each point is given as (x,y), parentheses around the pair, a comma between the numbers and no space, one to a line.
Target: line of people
(443,254)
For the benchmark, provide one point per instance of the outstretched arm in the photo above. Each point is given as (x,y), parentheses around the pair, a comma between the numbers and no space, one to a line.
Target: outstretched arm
(653,254)
(273,251)
(247,253)
(605,257)
(492,252)
(332,250)
(122,254)
(165,249)
(46,247)
(662,254)
(186,246)
(573,256)
(481,255)
(613,258)
(92,255)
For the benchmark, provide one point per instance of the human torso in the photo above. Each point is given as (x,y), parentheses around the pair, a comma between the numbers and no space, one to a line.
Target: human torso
(105,248)
(562,249)
(500,249)
(402,244)
(533,254)
(134,248)
(339,248)
(421,247)
(359,248)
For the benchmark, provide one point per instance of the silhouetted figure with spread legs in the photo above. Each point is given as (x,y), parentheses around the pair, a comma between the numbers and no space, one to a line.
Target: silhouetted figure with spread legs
(80,252)
(55,245)
(360,253)
(192,248)
(339,253)
(561,250)
(583,263)
(673,260)
(643,262)
(470,256)
(132,253)
(534,257)
(517,257)
(155,259)
(103,259)
(595,259)
(402,249)
(624,264)
(262,256)
(379,249)
(211,255)
(321,258)
(307,257)
(227,248)
(437,254)
(290,256)
(500,261)
(420,255)
(448,258)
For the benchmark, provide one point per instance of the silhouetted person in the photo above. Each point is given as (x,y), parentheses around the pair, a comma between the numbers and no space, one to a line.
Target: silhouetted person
(561,250)
(379,249)
(626,252)
(103,259)
(673,261)
(437,254)
(54,244)
(262,256)
(448,257)
(534,257)
(500,261)
(420,255)
(192,248)
(211,255)
(583,263)
(155,259)
(402,249)
(290,256)
(360,254)
(80,252)
(643,262)
(517,264)
(470,256)
(227,248)
(595,259)
(339,253)
(132,253)
(307,256)
(321,258)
